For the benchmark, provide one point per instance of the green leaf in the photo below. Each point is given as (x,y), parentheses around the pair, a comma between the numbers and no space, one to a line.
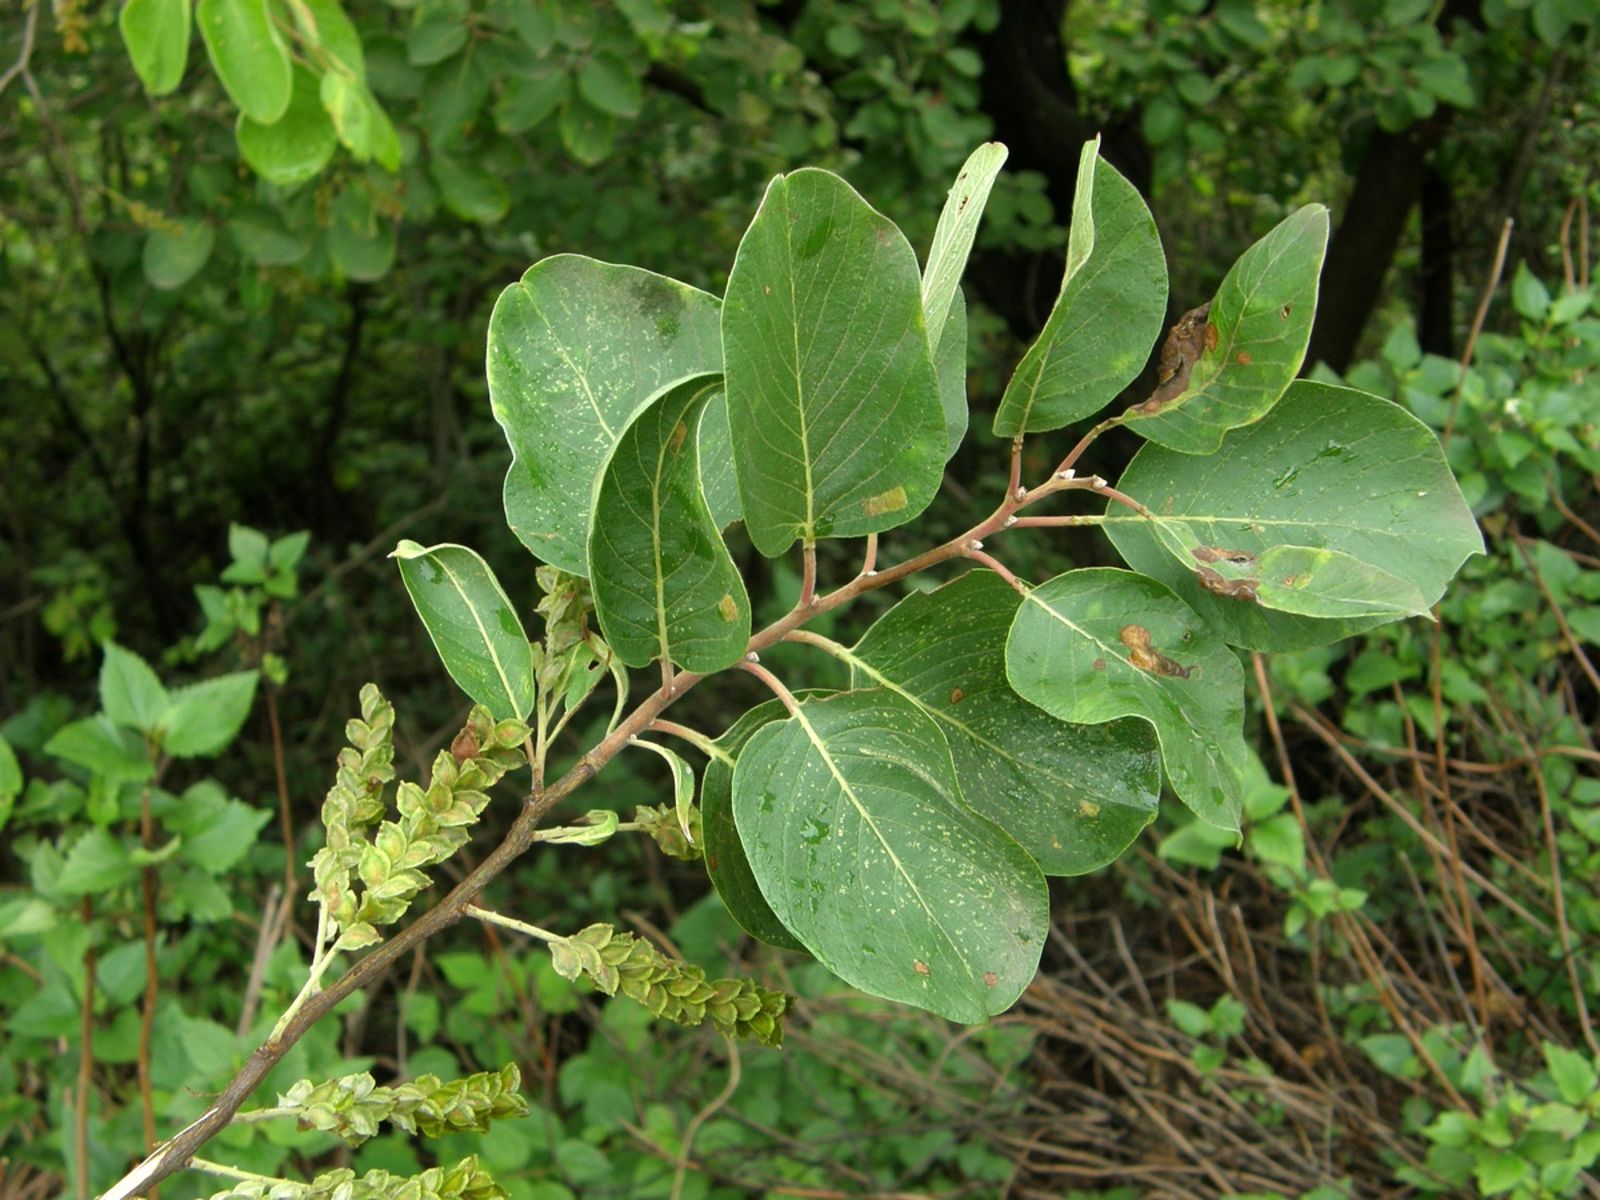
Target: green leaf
(473,625)
(859,838)
(248,56)
(361,243)
(575,348)
(682,783)
(1330,468)
(437,32)
(717,480)
(296,146)
(1529,296)
(588,133)
(1255,340)
(173,256)
(1574,1075)
(217,832)
(468,190)
(1278,841)
(260,235)
(952,239)
(725,859)
(1110,309)
(130,692)
(526,100)
(98,746)
(838,430)
(332,30)
(950,365)
(359,121)
(1098,644)
(665,586)
(204,717)
(1074,796)
(97,862)
(609,85)
(156,33)
(10,771)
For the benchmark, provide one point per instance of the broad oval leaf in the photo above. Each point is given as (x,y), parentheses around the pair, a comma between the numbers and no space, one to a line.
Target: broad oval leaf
(174,254)
(725,859)
(248,55)
(860,841)
(1328,468)
(325,24)
(665,586)
(1251,345)
(204,717)
(468,190)
(952,237)
(296,146)
(1074,796)
(97,744)
(156,33)
(1098,644)
(833,402)
(361,242)
(575,348)
(130,692)
(1112,301)
(472,623)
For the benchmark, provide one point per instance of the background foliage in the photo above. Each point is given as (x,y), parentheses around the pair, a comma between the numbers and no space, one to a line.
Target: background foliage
(212,323)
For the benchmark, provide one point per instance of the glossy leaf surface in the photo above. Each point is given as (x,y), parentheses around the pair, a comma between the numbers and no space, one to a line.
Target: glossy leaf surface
(298,144)
(473,624)
(1329,468)
(859,839)
(575,348)
(832,398)
(1097,644)
(665,586)
(156,33)
(248,55)
(1259,326)
(1074,796)
(1107,316)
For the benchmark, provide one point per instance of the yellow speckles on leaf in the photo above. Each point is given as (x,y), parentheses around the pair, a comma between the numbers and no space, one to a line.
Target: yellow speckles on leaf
(885,502)
(728,609)
(1088,808)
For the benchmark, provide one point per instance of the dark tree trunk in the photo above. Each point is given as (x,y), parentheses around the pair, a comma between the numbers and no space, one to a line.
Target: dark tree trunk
(1436,327)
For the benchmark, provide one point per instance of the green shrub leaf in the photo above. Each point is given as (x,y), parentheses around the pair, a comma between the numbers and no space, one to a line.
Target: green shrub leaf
(1074,796)
(173,256)
(296,146)
(1112,302)
(1249,347)
(833,402)
(1329,468)
(1097,644)
(952,238)
(248,56)
(473,624)
(130,692)
(944,911)
(156,33)
(204,717)
(665,586)
(574,348)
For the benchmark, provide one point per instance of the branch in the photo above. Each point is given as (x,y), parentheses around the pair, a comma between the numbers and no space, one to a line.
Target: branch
(176,1153)
(21,65)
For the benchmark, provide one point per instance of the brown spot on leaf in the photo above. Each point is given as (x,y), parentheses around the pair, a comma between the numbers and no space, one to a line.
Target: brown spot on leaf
(1242,358)
(1099,664)
(1213,554)
(1211,336)
(464,747)
(990,979)
(1145,658)
(1283,312)
(922,967)
(1233,589)
(1188,338)
(885,502)
(678,434)
(956,695)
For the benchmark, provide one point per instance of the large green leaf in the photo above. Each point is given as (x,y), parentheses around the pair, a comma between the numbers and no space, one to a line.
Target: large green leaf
(174,254)
(1329,468)
(156,33)
(717,479)
(1109,312)
(296,146)
(833,402)
(725,859)
(860,841)
(952,238)
(575,348)
(204,717)
(97,745)
(130,692)
(1075,796)
(950,364)
(473,625)
(248,55)
(1098,644)
(1254,341)
(665,586)
(361,242)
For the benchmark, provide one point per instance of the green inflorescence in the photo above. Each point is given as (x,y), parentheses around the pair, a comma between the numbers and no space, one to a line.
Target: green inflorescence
(353,1106)
(466,1180)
